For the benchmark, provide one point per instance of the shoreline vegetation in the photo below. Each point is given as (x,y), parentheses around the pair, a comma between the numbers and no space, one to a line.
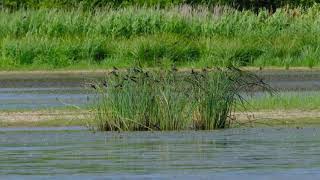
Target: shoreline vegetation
(281,110)
(141,100)
(185,35)
(57,38)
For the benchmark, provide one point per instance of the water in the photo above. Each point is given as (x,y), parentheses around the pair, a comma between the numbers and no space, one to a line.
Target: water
(29,91)
(44,97)
(228,154)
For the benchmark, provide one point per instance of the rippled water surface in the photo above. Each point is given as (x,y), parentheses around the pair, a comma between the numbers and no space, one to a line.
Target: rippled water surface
(229,154)
(37,98)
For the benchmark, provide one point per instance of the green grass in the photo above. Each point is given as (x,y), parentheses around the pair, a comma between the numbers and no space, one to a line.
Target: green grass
(182,35)
(165,100)
(90,4)
(285,101)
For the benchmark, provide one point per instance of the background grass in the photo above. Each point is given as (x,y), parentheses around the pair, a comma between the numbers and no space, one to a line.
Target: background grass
(90,4)
(188,36)
(285,101)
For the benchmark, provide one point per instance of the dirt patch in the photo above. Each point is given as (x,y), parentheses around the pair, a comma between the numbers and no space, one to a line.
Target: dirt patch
(33,116)
(277,114)
(70,115)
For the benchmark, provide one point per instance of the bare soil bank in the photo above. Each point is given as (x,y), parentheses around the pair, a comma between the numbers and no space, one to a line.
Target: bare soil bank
(81,117)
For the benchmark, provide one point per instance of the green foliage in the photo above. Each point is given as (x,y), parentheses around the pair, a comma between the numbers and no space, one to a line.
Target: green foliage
(309,100)
(184,35)
(167,100)
(154,50)
(91,4)
(245,57)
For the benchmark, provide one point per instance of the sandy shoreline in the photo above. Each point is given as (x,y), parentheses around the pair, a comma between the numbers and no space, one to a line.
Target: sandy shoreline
(78,117)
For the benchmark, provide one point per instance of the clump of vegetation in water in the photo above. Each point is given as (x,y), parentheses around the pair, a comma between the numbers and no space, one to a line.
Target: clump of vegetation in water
(140,100)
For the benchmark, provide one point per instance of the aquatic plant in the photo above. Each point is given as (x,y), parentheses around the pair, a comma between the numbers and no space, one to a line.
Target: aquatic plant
(169,100)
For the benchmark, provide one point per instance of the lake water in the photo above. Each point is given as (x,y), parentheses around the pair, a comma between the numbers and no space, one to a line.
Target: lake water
(229,154)
(44,97)
(52,91)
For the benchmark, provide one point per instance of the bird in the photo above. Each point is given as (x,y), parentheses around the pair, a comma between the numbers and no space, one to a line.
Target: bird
(118,86)
(204,70)
(137,70)
(105,83)
(132,79)
(93,86)
(146,74)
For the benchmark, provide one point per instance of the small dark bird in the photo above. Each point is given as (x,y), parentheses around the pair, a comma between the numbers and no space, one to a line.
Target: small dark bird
(118,86)
(105,83)
(204,70)
(260,68)
(146,74)
(114,73)
(93,86)
(193,72)
(137,70)
(132,79)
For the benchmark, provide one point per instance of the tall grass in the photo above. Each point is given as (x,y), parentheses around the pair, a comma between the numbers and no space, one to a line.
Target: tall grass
(285,101)
(185,35)
(91,4)
(168,100)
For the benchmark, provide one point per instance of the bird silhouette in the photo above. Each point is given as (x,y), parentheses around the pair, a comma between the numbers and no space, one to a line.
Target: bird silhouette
(92,85)
(105,83)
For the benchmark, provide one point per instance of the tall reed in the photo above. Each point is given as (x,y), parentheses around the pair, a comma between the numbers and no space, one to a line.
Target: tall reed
(184,35)
(168,100)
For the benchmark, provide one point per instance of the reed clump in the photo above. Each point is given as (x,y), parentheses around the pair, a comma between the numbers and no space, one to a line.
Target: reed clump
(140,100)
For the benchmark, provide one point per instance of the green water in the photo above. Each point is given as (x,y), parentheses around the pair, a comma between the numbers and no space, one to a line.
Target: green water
(229,154)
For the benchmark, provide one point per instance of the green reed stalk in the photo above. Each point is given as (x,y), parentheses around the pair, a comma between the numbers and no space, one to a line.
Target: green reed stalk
(166,100)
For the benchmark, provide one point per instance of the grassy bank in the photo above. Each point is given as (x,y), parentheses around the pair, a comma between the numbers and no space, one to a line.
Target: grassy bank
(307,101)
(189,37)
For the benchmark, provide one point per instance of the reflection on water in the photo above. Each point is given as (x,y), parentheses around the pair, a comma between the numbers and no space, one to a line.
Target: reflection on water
(229,154)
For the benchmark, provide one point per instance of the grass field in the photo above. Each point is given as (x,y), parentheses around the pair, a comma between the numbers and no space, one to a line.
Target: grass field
(182,35)
(285,101)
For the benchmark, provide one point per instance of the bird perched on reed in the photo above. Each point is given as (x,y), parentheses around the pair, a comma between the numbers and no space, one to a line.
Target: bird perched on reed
(105,83)
(92,85)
